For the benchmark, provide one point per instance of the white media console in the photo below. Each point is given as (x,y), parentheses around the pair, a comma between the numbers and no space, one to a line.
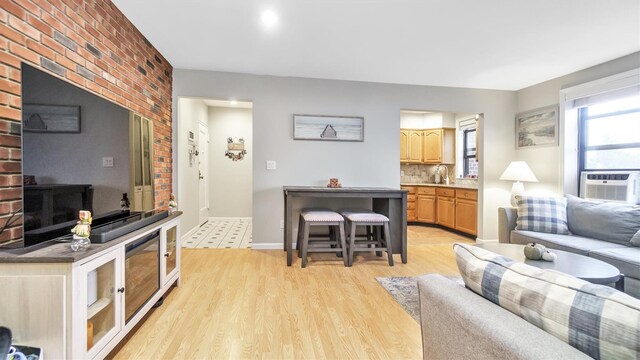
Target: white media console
(80,305)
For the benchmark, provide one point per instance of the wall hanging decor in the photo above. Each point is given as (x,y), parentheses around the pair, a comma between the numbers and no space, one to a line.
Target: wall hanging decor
(330,128)
(235,150)
(538,127)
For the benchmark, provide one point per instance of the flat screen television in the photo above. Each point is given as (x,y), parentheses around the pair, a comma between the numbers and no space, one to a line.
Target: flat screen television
(75,156)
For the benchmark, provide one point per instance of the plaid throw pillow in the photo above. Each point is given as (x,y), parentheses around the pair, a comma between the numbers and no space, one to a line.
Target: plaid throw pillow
(542,214)
(598,320)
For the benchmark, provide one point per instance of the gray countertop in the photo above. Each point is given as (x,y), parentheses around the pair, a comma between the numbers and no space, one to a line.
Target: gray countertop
(62,253)
(456,186)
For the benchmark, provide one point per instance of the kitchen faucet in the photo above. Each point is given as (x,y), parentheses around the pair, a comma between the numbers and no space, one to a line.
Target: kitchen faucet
(446,176)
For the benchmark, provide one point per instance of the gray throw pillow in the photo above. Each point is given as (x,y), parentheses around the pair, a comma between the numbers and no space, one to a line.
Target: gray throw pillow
(542,214)
(609,221)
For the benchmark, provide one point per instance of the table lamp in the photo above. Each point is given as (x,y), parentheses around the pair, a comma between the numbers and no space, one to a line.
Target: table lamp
(518,171)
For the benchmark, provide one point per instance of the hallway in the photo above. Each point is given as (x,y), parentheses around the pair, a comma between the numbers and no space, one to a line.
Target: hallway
(221,233)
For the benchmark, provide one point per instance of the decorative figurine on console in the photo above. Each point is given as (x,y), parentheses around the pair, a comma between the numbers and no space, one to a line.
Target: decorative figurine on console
(81,232)
(173,205)
(334,183)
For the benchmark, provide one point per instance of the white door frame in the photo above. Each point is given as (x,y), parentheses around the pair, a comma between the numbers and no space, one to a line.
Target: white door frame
(203,167)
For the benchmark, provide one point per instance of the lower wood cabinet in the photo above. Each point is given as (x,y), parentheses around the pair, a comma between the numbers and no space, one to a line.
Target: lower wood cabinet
(467,216)
(426,208)
(449,207)
(411,202)
(446,212)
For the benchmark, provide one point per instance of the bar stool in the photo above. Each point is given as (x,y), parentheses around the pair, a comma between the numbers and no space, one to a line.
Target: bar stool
(368,218)
(321,217)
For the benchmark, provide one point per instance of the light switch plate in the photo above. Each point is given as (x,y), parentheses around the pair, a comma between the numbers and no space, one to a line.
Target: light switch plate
(271,165)
(107,161)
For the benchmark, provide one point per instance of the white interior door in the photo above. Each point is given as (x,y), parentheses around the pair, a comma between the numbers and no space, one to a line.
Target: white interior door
(203,169)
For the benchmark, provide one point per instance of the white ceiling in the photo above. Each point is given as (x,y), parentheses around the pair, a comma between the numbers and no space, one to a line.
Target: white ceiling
(493,44)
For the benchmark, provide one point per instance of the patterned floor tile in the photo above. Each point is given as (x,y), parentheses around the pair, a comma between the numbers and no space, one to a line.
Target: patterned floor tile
(222,233)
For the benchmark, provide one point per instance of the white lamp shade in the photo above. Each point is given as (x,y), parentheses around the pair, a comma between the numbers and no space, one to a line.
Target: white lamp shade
(518,171)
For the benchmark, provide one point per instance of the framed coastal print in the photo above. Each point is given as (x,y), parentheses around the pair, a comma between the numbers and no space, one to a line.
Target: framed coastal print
(328,128)
(538,127)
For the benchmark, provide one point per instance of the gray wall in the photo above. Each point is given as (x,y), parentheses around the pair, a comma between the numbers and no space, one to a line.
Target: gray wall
(77,158)
(374,162)
(192,112)
(546,162)
(230,192)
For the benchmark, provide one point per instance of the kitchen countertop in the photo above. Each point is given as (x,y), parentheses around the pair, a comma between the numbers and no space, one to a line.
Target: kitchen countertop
(455,186)
(61,252)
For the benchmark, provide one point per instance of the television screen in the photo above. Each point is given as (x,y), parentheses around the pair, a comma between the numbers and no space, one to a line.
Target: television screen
(75,155)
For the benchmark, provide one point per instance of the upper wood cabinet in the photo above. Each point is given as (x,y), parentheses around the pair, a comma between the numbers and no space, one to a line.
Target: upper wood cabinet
(433,146)
(415,146)
(439,146)
(404,145)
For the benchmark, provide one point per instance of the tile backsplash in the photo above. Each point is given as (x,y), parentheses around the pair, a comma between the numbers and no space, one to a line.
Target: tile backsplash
(421,173)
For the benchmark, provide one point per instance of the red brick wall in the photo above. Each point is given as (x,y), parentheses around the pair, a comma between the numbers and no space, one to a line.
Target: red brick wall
(91,45)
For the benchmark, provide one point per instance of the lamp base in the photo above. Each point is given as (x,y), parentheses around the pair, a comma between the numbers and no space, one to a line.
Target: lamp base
(516,190)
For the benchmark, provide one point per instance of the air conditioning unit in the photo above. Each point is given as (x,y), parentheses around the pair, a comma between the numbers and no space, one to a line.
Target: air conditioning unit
(620,186)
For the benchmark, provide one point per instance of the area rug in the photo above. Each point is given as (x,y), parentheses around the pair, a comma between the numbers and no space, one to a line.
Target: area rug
(404,290)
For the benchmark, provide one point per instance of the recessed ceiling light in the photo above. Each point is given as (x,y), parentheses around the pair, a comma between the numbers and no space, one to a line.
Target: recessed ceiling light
(269,18)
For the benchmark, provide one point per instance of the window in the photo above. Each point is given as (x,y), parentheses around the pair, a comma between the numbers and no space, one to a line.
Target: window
(469,153)
(609,136)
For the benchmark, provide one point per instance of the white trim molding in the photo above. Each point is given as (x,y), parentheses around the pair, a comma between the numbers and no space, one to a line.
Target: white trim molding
(268,246)
(568,132)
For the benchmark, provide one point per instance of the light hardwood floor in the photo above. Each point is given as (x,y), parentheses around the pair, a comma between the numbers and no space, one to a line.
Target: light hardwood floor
(242,303)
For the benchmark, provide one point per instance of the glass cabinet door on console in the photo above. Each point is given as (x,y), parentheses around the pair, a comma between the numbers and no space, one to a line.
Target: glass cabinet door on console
(98,304)
(169,251)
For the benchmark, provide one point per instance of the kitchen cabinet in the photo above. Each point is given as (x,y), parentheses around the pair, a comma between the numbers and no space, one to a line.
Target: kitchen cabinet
(411,202)
(446,207)
(426,210)
(467,211)
(449,207)
(404,145)
(415,146)
(439,146)
(466,216)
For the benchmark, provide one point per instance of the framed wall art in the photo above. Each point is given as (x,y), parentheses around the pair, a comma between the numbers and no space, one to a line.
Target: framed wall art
(328,128)
(538,127)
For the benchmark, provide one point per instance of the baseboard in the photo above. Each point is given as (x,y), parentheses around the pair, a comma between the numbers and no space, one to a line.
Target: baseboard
(189,234)
(267,246)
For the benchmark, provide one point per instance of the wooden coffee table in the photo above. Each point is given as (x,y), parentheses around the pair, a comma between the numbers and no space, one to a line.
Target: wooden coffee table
(580,266)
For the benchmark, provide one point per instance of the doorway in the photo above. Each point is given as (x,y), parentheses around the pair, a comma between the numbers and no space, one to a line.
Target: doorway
(218,165)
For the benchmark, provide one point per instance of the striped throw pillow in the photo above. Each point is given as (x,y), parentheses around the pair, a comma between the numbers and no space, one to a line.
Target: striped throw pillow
(598,320)
(542,214)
